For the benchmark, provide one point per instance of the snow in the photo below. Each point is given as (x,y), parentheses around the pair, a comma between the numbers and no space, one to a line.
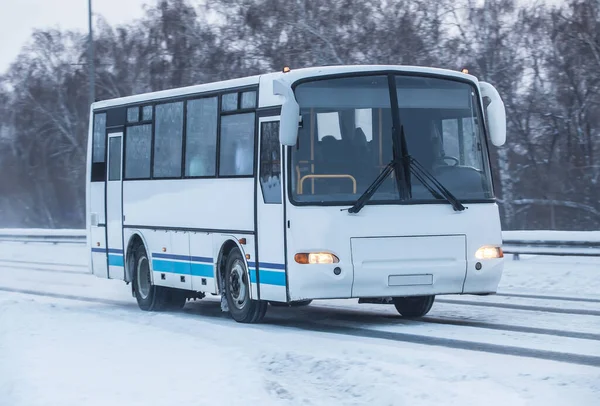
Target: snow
(578,276)
(103,350)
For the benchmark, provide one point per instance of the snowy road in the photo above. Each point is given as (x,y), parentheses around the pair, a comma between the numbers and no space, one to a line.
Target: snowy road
(68,338)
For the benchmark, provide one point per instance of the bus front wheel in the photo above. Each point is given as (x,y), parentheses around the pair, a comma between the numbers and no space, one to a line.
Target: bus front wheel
(413,306)
(237,291)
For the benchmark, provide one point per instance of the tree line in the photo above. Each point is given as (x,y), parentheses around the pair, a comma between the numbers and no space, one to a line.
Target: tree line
(544,60)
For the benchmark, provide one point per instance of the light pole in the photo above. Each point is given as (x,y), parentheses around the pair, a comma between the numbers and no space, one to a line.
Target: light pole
(92,69)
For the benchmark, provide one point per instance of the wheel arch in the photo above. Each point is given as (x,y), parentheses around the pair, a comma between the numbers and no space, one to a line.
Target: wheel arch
(227,246)
(135,238)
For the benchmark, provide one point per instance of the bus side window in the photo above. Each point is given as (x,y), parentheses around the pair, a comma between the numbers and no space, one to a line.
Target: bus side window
(138,145)
(236,154)
(99,148)
(201,137)
(270,162)
(168,140)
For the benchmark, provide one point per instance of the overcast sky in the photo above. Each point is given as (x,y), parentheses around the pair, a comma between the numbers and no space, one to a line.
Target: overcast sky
(18,18)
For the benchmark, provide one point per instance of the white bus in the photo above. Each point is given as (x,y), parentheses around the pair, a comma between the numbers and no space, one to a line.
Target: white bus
(368,182)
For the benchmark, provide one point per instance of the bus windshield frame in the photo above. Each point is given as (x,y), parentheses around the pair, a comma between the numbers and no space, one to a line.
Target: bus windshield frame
(345,138)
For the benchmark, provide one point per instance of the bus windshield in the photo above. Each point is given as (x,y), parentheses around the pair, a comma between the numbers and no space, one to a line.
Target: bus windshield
(345,139)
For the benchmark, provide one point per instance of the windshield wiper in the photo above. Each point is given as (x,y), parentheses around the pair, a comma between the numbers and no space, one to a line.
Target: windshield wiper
(427,179)
(418,170)
(367,194)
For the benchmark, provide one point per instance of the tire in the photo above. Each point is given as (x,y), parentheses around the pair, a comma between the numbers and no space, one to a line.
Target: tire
(237,291)
(414,306)
(298,303)
(150,297)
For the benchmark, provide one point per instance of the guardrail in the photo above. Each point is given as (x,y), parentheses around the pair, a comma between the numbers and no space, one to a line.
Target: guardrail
(562,243)
(35,235)
(559,243)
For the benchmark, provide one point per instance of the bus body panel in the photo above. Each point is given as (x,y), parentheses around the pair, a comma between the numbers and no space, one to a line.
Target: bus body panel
(405,265)
(329,229)
(206,204)
(202,262)
(97,229)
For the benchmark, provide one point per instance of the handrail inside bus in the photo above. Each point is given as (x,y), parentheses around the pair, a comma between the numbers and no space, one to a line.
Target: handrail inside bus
(311,176)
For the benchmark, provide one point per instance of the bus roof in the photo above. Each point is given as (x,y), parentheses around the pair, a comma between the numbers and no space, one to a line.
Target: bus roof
(290,76)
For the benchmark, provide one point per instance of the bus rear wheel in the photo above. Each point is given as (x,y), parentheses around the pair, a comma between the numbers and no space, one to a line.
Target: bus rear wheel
(149,296)
(237,291)
(413,306)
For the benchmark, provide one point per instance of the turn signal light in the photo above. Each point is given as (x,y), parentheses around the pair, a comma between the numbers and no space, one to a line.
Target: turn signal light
(316,258)
(489,252)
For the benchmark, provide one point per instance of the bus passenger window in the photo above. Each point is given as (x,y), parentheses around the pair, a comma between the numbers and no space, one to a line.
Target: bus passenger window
(138,145)
(133,114)
(248,100)
(236,155)
(168,139)
(270,162)
(98,147)
(201,137)
(229,102)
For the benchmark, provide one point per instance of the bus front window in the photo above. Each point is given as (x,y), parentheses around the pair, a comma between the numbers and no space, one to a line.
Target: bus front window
(345,139)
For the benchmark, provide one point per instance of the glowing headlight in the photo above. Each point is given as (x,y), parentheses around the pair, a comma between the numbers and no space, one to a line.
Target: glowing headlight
(489,252)
(316,258)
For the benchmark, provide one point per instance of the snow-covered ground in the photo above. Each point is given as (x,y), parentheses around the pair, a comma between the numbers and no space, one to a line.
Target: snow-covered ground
(68,338)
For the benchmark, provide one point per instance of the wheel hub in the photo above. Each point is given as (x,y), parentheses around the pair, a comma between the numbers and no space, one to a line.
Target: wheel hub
(237,285)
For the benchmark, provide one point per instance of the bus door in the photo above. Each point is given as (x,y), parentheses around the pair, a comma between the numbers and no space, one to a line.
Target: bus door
(270,272)
(114,206)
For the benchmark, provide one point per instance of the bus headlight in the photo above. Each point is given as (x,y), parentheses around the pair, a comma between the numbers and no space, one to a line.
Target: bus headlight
(316,258)
(489,252)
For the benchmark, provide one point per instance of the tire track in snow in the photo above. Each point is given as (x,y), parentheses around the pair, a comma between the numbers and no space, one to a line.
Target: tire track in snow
(63,296)
(588,360)
(550,297)
(508,327)
(44,266)
(533,308)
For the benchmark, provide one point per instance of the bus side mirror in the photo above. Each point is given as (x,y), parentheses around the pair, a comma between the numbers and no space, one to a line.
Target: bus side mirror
(496,114)
(290,113)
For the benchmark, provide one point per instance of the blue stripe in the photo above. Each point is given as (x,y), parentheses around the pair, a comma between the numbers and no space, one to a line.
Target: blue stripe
(267,265)
(102,250)
(205,270)
(115,260)
(272,278)
(201,259)
(160,265)
(268,277)
(182,257)
(115,251)
(183,268)
(171,256)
